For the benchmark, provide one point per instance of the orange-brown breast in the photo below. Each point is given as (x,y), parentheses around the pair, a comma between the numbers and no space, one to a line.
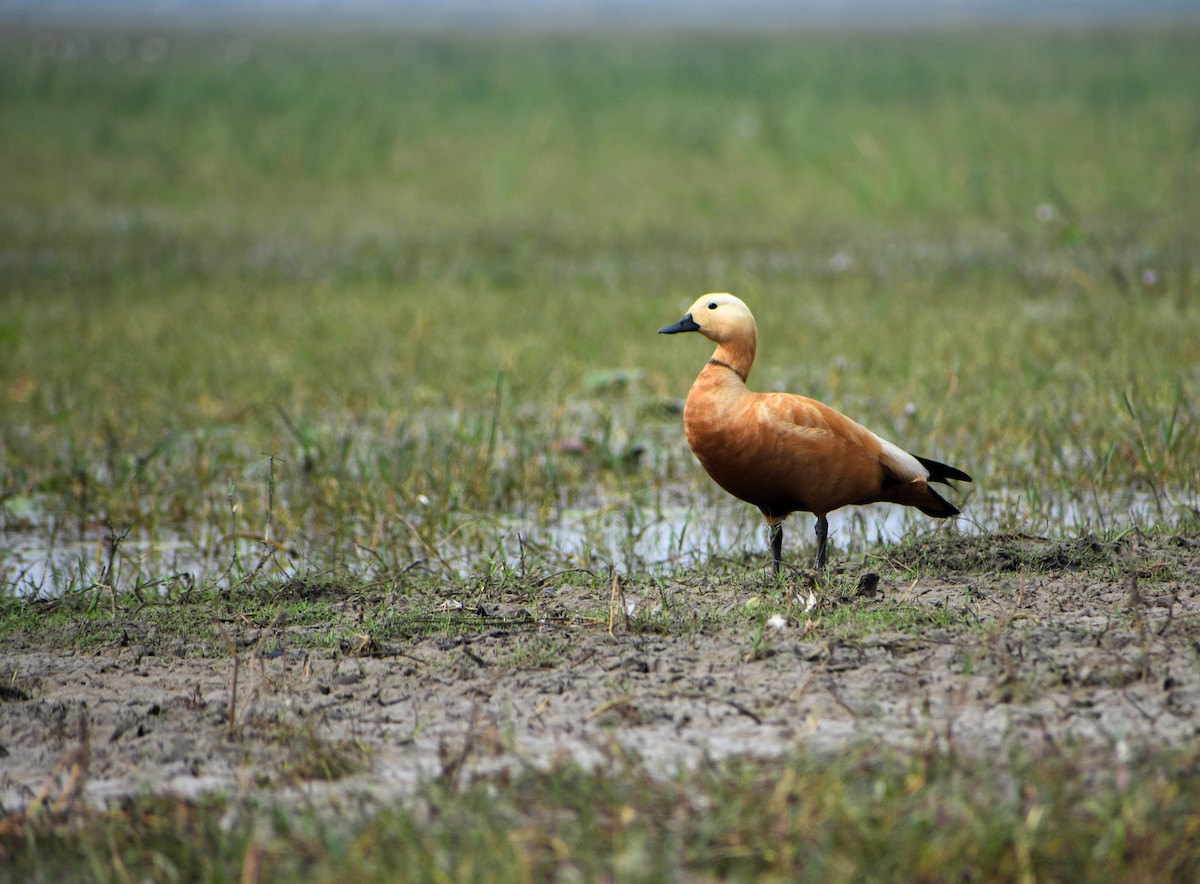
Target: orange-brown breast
(786,453)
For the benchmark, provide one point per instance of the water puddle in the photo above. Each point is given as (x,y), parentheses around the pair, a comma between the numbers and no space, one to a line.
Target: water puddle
(45,560)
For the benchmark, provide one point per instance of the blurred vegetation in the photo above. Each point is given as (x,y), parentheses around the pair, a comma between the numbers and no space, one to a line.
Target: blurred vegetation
(926,815)
(319,280)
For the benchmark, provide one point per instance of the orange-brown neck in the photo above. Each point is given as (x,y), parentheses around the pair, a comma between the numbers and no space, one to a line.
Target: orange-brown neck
(738,353)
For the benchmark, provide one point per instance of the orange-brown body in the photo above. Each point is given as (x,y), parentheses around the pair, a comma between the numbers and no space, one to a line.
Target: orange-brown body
(786,453)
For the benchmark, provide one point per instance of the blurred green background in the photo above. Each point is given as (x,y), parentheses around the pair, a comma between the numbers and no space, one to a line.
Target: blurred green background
(430,267)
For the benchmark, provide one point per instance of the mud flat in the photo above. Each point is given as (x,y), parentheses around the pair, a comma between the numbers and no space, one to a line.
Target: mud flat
(978,645)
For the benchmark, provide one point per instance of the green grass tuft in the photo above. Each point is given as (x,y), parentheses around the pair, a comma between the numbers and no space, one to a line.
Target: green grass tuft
(863,816)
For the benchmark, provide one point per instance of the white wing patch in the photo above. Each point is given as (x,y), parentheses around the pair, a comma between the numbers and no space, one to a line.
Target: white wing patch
(903,464)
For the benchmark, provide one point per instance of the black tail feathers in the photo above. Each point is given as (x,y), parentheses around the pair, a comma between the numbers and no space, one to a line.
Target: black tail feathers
(940,472)
(942,509)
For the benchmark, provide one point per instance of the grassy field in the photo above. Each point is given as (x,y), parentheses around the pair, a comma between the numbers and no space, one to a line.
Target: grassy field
(382,308)
(418,269)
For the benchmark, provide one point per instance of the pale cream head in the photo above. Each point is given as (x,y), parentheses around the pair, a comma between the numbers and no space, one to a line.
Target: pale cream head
(723,318)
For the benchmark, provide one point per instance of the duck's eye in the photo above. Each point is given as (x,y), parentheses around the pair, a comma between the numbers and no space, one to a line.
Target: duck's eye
(712,305)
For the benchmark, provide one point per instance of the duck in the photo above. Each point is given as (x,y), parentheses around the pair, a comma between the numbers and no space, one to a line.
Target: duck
(786,453)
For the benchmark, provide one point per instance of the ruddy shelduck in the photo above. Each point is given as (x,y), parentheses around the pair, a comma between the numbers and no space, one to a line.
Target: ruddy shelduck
(786,453)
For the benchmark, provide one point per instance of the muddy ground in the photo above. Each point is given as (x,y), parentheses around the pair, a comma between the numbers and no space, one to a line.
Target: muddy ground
(1018,644)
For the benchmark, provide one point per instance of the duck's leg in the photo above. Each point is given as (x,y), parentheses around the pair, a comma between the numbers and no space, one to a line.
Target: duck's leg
(776,546)
(822,531)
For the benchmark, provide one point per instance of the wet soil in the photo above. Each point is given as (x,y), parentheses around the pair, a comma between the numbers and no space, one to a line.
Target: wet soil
(1004,644)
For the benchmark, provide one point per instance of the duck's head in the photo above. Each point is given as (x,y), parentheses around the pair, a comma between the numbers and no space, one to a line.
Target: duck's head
(719,317)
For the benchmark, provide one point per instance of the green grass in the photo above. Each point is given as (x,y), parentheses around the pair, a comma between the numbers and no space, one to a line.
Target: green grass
(313,283)
(797,818)
(537,609)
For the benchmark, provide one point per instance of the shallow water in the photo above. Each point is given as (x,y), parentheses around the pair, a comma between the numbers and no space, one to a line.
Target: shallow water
(45,560)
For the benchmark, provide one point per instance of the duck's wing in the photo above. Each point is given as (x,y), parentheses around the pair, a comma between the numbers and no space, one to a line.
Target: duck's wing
(827,460)
(815,425)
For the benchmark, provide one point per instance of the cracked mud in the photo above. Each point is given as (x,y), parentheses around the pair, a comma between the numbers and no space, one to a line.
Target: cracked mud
(1042,654)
